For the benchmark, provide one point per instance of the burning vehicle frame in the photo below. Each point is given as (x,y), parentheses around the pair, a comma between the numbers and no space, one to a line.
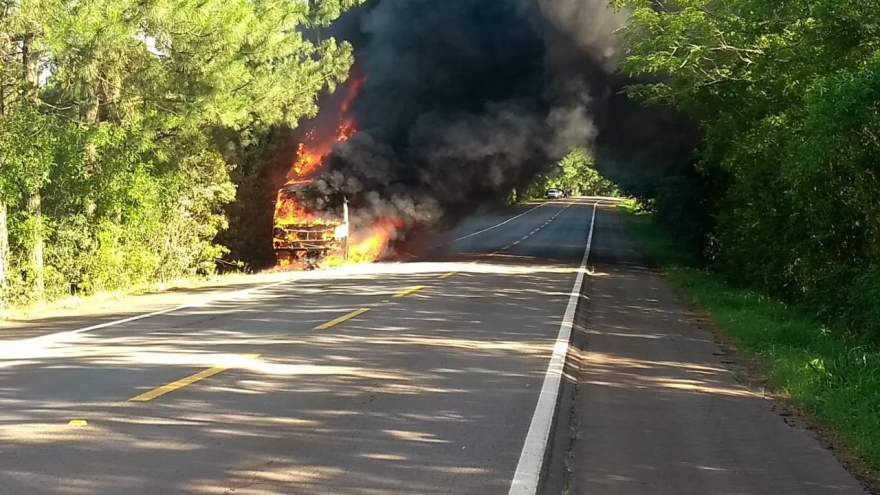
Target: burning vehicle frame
(303,240)
(306,237)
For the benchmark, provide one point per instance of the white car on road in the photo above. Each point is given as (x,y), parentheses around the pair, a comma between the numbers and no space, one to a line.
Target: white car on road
(554,194)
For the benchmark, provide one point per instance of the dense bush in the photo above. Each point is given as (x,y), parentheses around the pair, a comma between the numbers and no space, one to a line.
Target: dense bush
(122,122)
(788,95)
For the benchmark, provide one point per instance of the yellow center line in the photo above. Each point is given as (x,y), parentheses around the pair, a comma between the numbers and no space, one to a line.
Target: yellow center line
(447,275)
(354,314)
(176,385)
(183,382)
(341,319)
(409,292)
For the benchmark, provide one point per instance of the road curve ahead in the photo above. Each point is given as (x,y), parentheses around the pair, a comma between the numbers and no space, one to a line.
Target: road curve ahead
(392,378)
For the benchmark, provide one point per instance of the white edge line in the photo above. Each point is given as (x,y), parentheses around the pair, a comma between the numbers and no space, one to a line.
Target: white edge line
(531,460)
(502,223)
(224,296)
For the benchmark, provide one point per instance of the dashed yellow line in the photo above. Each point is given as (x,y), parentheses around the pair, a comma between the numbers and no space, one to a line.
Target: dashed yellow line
(176,385)
(409,292)
(332,323)
(183,382)
(189,380)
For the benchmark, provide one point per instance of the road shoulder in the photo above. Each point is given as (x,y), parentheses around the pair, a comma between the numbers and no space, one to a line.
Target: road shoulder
(105,308)
(659,411)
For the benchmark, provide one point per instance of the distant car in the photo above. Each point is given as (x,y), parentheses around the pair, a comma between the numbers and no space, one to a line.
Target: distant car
(555,194)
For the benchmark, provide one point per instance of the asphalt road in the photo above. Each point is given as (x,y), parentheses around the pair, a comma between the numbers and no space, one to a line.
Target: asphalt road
(392,378)
(424,377)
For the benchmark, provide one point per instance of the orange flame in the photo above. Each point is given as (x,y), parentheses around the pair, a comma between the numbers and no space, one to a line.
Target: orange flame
(368,245)
(364,244)
(311,155)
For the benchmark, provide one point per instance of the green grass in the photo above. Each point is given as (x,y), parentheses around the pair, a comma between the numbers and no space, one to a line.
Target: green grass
(834,380)
(45,309)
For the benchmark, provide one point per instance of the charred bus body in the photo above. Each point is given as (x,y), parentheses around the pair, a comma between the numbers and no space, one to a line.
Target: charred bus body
(304,240)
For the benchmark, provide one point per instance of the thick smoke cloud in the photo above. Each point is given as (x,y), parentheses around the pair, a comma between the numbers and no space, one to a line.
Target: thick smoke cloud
(466,100)
(589,25)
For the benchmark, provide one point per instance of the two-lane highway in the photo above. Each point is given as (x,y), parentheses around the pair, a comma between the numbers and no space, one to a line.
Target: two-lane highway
(390,378)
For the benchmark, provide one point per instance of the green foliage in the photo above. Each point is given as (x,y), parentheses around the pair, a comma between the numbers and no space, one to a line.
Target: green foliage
(788,94)
(126,119)
(576,173)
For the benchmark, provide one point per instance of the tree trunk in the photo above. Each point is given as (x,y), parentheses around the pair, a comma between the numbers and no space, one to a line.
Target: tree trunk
(94,113)
(4,225)
(4,255)
(34,199)
(4,214)
(35,209)
(30,68)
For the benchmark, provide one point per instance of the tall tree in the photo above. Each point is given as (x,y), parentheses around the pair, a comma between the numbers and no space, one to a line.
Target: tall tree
(34,201)
(121,122)
(6,56)
(788,95)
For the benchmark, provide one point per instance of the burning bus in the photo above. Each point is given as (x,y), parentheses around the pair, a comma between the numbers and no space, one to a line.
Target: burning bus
(303,238)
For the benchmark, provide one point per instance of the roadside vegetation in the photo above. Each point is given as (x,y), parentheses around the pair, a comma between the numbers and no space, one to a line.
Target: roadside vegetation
(774,228)
(832,376)
(125,127)
(576,173)
(783,194)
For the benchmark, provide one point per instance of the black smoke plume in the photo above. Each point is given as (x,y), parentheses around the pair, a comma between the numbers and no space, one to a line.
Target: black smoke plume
(467,100)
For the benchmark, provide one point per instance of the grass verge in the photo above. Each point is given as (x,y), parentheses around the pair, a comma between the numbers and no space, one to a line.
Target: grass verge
(106,299)
(833,380)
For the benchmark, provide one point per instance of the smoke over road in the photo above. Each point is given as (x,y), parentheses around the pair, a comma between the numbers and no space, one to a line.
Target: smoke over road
(466,100)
